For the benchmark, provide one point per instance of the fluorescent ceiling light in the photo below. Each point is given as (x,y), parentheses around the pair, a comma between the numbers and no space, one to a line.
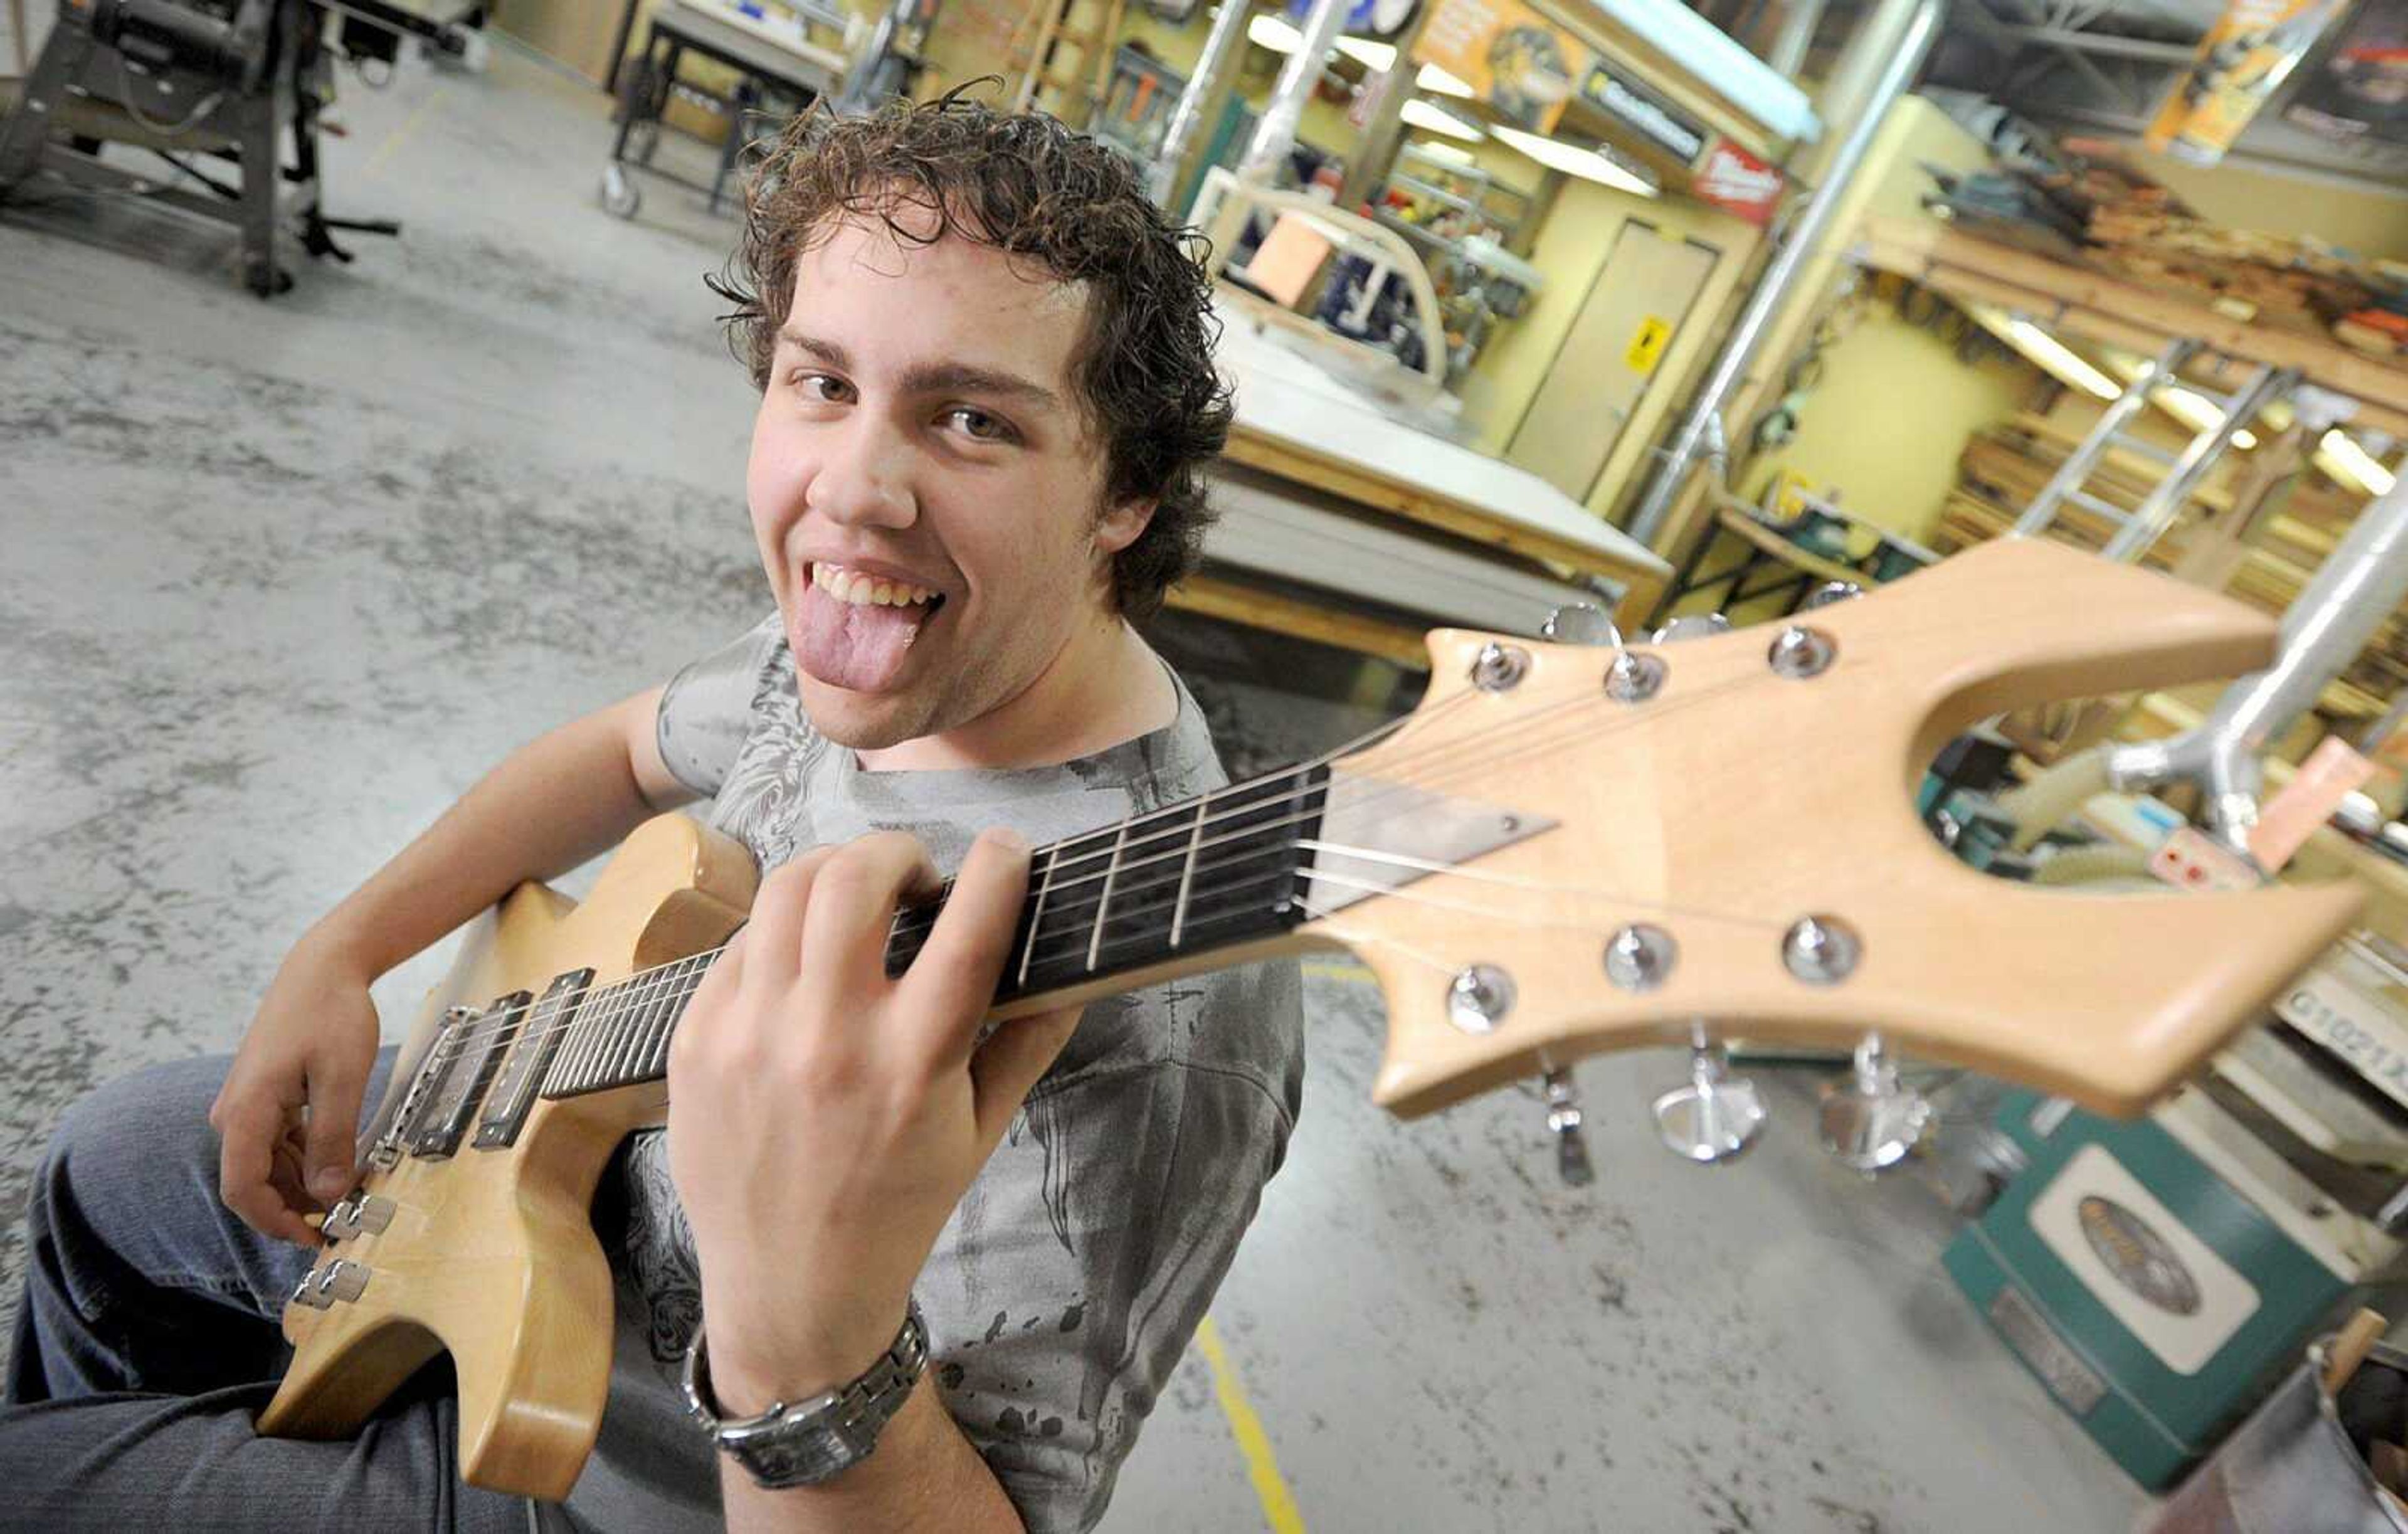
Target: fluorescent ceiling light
(1272,32)
(1276,33)
(2339,454)
(1421,114)
(2188,406)
(1379,56)
(2197,411)
(2054,358)
(1438,83)
(1453,154)
(1585,163)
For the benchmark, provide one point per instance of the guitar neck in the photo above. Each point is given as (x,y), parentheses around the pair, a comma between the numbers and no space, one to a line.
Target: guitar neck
(1180,889)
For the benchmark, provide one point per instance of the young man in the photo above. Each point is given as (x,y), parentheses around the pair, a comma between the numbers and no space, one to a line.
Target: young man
(986,398)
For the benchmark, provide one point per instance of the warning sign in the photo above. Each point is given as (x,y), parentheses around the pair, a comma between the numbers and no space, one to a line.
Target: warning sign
(1648,345)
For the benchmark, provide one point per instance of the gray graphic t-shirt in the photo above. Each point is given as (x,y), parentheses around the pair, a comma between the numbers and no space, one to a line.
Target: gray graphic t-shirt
(1080,1260)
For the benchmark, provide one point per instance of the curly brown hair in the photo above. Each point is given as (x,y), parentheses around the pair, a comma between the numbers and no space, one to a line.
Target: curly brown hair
(1026,185)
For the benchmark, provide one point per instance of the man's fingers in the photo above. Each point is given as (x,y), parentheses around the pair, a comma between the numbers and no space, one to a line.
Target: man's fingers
(853,912)
(776,926)
(336,1086)
(1008,1063)
(956,973)
(249,1128)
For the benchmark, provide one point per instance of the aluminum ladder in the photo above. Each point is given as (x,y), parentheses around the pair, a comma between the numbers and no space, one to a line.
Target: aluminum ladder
(2139,528)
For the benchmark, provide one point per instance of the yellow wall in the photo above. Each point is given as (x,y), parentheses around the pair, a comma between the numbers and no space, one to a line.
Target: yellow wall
(2368,222)
(1894,407)
(1884,426)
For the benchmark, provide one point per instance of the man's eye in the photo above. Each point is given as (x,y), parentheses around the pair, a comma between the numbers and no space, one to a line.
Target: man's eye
(978,423)
(820,386)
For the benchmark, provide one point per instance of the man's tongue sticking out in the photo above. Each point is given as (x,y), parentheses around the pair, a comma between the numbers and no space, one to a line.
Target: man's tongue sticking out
(857,646)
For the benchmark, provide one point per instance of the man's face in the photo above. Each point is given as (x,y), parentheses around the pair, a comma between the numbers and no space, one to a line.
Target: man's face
(924,485)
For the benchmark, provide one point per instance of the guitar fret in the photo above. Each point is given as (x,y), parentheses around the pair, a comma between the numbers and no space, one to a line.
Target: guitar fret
(650,1025)
(1037,912)
(656,1056)
(655,1027)
(1104,901)
(1187,870)
(590,1046)
(628,1029)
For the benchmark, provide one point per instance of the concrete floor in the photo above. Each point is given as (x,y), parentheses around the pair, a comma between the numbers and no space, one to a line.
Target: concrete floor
(280,581)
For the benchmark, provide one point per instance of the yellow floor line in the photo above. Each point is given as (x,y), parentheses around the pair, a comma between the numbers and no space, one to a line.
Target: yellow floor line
(409,125)
(1336,969)
(1278,1507)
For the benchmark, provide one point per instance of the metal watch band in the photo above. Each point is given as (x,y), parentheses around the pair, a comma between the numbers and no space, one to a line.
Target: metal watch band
(809,1442)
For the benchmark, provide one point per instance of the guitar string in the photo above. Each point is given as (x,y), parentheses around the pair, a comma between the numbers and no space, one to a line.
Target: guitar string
(1432,756)
(1435,754)
(628,1004)
(625,1002)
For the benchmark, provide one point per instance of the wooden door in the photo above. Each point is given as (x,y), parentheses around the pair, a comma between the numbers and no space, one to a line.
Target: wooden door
(1635,306)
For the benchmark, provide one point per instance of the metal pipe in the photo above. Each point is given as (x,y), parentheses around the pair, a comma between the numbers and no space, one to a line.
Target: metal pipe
(1275,134)
(1795,38)
(1187,118)
(2355,588)
(1781,273)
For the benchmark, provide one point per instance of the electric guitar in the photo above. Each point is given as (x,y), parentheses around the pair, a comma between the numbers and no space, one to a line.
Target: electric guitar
(1563,850)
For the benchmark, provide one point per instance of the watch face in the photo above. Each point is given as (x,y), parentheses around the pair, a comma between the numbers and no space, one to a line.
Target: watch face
(1388,17)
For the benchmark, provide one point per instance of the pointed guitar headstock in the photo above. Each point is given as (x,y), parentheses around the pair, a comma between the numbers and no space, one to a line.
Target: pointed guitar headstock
(1682,810)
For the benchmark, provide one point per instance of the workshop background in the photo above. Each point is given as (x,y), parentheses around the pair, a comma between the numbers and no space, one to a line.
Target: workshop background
(1529,303)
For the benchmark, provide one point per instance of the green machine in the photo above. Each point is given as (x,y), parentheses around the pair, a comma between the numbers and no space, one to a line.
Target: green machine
(2158,1275)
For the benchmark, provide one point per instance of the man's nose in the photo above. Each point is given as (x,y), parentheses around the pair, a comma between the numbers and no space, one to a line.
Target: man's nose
(866,478)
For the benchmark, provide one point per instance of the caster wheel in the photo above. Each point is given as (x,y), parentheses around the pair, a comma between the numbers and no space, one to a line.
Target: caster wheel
(620,197)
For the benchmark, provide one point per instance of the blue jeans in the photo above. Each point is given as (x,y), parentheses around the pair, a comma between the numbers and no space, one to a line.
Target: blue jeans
(147,1341)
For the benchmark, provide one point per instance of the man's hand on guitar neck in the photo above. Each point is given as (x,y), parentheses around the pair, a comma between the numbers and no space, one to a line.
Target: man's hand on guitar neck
(825,1121)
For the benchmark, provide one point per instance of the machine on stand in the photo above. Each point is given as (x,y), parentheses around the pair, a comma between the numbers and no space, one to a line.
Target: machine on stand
(203,81)
(2158,1275)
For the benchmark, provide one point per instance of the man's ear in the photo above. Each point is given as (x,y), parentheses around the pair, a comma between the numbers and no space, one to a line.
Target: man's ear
(1121,524)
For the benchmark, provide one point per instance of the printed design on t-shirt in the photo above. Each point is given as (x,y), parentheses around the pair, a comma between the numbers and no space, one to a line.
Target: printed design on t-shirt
(660,1273)
(760,802)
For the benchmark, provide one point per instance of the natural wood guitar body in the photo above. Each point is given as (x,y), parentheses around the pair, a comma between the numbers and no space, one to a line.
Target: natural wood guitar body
(491,1255)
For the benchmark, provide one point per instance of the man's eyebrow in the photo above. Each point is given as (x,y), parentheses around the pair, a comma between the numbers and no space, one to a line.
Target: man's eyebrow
(941,378)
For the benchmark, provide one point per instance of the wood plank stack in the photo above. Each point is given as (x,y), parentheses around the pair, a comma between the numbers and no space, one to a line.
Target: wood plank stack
(2294,282)
(2089,207)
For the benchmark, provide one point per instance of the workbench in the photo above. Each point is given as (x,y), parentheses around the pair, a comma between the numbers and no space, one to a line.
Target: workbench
(777,70)
(1342,523)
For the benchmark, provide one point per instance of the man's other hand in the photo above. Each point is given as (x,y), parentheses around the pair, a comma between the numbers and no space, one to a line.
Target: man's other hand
(289,1112)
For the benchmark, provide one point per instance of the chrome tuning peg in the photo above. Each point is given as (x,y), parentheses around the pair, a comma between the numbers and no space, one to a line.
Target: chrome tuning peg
(1830,592)
(1697,626)
(1563,1119)
(1872,1120)
(1581,623)
(1716,1116)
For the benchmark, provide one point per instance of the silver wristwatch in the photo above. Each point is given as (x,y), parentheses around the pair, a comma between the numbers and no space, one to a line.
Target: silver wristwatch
(809,1442)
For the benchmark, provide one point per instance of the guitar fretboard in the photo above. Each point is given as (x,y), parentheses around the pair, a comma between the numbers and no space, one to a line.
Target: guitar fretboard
(1180,883)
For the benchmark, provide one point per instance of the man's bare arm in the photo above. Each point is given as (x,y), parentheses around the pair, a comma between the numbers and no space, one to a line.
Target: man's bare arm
(552,803)
(550,806)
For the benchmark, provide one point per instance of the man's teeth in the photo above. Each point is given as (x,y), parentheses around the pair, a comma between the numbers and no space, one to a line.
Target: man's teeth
(868,591)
